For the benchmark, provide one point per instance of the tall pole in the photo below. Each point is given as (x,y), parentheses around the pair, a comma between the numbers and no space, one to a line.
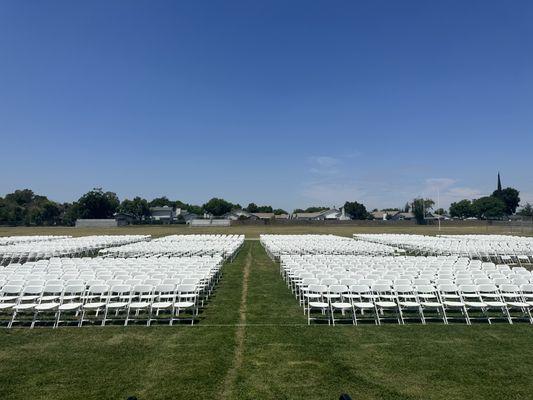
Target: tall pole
(438,204)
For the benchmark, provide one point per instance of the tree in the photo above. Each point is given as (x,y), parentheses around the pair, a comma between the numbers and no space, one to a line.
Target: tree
(298,211)
(137,207)
(462,209)
(279,211)
(407,207)
(218,206)
(315,209)
(440,211)
(252,208)
(98,204)
(526,211)
(356,210)
(488,207)
(161,202)
(420,207)
(510,198)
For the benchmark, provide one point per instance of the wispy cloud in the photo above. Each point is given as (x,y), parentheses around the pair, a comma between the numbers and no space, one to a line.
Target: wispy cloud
(325,165)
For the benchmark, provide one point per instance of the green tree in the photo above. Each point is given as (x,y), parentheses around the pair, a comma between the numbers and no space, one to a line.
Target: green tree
(252,208)
(315,209)
(488,207)
(462,209)
(161,202)
(526,211)
(137,207)
(217,206)
(356,210)
(98,204)
(279,211)
(420,208)
(510,197)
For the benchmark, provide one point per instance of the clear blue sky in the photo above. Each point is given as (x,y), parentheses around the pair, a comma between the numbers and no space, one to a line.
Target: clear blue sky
(277,102)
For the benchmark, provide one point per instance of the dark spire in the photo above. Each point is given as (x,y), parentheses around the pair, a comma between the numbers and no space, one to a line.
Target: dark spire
(499,183)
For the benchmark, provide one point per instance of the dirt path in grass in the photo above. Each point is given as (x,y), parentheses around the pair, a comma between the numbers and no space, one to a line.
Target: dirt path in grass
(231,375)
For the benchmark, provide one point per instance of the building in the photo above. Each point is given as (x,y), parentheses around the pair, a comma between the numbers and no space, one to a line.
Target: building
(326,215)
(384,215)
(403,216)
(235,215)
(163,214)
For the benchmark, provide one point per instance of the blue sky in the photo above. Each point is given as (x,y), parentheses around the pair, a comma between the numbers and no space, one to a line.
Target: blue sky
(284,103)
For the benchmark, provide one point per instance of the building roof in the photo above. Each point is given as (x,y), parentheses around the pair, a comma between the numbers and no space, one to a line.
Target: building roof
(264,215)
(282,216)
(163,208)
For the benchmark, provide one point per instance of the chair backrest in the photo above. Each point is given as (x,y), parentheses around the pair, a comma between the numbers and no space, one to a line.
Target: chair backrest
(98,289)
(142,289)
(487,288)
(33,290)
(318,288)
(338,289)
(468,288)
(360,289)
(11,290)
(509,288)
(404,289)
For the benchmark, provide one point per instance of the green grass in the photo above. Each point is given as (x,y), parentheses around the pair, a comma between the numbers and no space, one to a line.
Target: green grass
(280,356)
(253,231)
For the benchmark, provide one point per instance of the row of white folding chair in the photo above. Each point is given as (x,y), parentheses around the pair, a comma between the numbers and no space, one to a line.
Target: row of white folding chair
(382,297)
(78,300)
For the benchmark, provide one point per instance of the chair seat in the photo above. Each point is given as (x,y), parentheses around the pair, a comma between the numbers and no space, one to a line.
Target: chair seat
(453,304)
(46,306)
(312,295)
(118,304)
(409,304)
(431,304)
(139,305)
(476,304)
(363,305)
(162,304)
(69,306)
(318,304)
(386,304)
(7,306)
(184,304)
(94,306)
(517,304)
(71,297)
(341,306)
(49,298)
(25,306)
(29,298)
(9,298)
(332,296)
(491,295)
(495,304)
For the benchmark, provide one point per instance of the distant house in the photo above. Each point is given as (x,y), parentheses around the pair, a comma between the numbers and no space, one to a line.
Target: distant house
(384,215)
(403,216)
(164,214)
(282,216)
(332,214)
(123,218)
(264,216)
(235,215)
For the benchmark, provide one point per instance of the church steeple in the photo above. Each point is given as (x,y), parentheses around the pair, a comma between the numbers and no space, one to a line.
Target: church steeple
(499,183)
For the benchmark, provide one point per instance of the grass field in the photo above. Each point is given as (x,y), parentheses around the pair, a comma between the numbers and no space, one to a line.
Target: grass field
(253,231)
(253,343)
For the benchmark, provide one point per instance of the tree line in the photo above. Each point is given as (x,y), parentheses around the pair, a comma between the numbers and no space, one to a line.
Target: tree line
(24,207)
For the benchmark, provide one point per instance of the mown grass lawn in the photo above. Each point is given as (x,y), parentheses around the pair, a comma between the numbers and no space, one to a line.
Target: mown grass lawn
(280,357)
(253,231)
